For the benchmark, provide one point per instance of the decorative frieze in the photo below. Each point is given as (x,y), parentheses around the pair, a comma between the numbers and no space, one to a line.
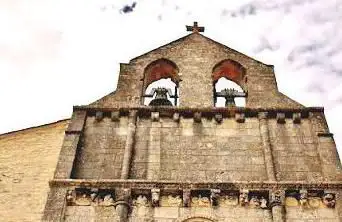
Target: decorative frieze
(90,197)
(171,201)
(310,199)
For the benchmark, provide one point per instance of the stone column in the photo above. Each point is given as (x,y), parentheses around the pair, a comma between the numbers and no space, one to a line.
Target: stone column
(277,205)
(122,203)
(265,137)
(153,165)
(132,121)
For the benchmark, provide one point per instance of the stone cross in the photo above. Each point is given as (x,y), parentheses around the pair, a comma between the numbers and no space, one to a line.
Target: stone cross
(194,28)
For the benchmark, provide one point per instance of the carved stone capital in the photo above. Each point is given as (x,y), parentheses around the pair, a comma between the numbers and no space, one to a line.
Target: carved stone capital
(243,198)
(155,194)
(214,197)
(329,199)
(123,194)
(277,198)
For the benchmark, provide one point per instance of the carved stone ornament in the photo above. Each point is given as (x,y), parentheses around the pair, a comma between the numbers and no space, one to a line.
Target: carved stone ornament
(240,117)
(107,200)
(99,116)
(281,118)
(243,198)
(276,198)
(200,201)
(70,197)
(329,200)
(186,198)
(115,116)
(303,197)
(197,117)
(315,202)
(254,202)
(218,117)
(171,201)
(83,199)
(228,200)
(214,197)
(141,201)
(155,197)
(263,203)
(155,116)
(296,117)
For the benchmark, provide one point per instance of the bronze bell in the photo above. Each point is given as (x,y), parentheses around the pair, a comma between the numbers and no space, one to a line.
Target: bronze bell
(161,97)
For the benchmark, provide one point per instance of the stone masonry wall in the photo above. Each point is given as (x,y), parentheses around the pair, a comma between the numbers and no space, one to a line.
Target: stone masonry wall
(27,162)
(295,151)
(101,151)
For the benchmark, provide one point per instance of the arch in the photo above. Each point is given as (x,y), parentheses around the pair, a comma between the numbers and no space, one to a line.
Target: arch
(161,69)
(154,75)
(197,219)
(231,70)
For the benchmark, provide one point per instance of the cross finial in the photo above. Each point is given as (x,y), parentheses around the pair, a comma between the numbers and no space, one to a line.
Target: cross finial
(194,28)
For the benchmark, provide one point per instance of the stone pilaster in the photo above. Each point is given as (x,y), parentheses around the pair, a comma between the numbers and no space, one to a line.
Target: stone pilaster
(132,120)
(277,205)
(70,144)
(153,165)
(265,137)
(55,204)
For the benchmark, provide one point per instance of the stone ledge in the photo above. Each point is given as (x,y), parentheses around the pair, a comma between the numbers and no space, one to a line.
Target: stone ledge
(205,111)
(149,184)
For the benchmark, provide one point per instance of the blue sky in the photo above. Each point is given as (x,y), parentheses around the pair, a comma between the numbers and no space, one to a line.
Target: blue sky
(56,54)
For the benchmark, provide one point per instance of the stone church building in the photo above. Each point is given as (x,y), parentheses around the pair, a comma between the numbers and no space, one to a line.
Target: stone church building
(171,144)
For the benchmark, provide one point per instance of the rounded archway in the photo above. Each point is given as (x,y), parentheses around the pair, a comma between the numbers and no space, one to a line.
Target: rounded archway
(161,75)
(198,219)
(229,84)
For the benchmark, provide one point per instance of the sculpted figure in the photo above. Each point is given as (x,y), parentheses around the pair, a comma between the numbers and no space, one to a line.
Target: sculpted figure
(155,197)
(108,200)
(243,199)
(140,201)
(254,202)
(263,203)
(303,198)
(329,200)
(69,197)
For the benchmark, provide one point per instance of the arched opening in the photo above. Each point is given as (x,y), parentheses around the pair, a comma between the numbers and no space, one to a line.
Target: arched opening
(198,219)
(229,84)
(161,83)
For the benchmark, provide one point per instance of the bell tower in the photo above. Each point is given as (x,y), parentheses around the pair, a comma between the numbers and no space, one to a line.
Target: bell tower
(172,143)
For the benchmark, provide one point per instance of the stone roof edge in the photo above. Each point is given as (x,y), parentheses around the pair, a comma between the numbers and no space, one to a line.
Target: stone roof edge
(148,184)
(34,127)
(215,42)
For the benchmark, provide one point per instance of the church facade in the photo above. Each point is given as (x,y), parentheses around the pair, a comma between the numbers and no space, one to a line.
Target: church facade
(181,157)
